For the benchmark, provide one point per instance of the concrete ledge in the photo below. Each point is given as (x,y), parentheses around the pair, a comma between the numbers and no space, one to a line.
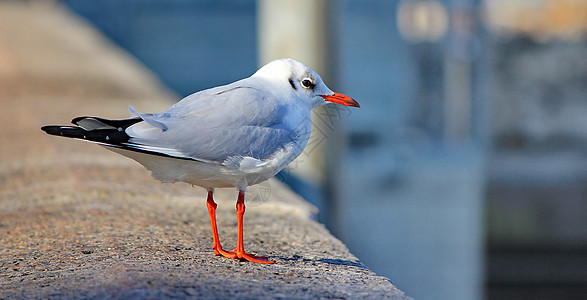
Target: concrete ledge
(77,221)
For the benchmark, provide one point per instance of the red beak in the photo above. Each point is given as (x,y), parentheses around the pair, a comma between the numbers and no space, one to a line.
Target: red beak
(341,99)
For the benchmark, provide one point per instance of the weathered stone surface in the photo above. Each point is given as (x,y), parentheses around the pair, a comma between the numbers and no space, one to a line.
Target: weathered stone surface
(77,221)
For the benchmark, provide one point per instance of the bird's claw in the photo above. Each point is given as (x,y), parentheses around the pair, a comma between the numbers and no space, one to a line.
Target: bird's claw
(242,255)
(253,258)
(235,254)
(219,251)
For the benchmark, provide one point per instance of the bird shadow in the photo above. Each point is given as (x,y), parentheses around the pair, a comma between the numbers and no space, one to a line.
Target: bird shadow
(331,261)
(342,262)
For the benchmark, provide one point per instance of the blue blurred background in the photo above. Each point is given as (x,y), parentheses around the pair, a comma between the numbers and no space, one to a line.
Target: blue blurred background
(464,173)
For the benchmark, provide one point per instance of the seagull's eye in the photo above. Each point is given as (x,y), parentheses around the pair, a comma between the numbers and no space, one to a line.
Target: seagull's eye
(308,83)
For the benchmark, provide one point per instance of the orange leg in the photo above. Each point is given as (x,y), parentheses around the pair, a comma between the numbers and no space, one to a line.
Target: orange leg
(239,251)
(212,211)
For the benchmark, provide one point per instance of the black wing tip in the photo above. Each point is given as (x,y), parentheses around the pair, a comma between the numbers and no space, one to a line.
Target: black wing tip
(52,129)
(113,137)
(105,137)
(97,135)
(65,131)
(123,123)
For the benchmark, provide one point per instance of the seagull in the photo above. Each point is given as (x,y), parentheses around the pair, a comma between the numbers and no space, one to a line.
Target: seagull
(235,135)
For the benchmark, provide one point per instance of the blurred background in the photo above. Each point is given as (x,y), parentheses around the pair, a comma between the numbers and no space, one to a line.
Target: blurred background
(464,173)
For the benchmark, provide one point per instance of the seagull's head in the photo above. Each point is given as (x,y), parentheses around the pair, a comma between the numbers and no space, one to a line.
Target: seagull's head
(305,85)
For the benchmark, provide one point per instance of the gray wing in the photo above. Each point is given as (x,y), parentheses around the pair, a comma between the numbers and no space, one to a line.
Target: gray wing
(216,125)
